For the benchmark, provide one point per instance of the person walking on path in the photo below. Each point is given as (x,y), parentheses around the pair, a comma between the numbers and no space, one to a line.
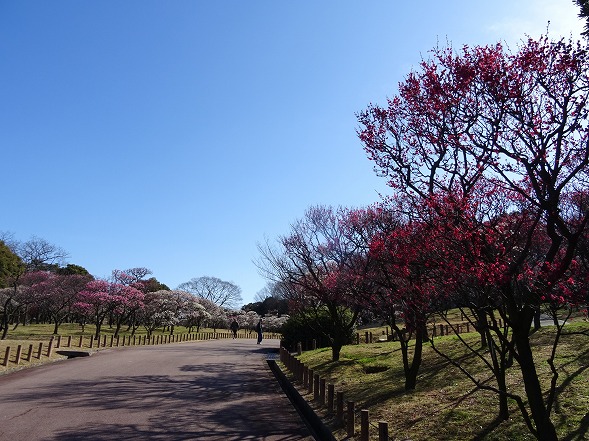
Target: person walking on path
(259,330)
(234,327)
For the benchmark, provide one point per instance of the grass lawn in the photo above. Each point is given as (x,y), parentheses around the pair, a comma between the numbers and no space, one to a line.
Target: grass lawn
(445,404)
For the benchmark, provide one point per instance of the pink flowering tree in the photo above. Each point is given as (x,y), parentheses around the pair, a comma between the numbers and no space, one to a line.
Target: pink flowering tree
(313,264)
(95,302)
(487,118)
(54,295)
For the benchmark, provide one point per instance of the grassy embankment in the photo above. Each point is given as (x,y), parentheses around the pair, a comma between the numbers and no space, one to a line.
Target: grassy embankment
(445,404)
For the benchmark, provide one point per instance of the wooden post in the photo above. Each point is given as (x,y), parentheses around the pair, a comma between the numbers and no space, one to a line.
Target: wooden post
(18,354)
(40,350)
(364,425)
(339,406)
(50,348)
(322,391)
(104,341)
(81,344)
(299,348)
(383,431)
(366,337)
(58,341)
(316,386)
(305,376)
(330,394)
(30,353)
(311,376)
(69,341)
(6,356)
(350,423)
(314,344)
(111,340)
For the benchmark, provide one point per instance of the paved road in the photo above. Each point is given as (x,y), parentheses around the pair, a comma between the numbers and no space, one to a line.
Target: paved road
(212,390)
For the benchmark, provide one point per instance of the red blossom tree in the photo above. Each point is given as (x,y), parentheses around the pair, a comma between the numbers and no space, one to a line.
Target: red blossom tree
(516,122)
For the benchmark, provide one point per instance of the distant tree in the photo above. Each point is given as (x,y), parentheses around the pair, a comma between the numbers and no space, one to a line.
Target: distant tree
(38,254)
(584,14)
(11,266)
(12,298)
(195,314)
(312,264)
(222,293)
(54,294)
(159,310)
(152,284)
(71,269)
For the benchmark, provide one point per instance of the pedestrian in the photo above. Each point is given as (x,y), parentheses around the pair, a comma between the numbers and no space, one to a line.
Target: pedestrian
(260,329)
(234,327)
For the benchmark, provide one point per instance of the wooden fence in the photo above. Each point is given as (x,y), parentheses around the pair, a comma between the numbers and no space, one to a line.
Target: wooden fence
(326,396)
(46,349)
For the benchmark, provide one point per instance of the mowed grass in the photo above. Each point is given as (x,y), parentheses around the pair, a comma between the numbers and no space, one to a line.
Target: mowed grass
(446,405)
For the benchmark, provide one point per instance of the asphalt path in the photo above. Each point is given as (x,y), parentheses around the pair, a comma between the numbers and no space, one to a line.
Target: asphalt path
(209,390)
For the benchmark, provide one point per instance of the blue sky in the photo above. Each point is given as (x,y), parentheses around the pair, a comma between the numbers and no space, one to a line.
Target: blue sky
(176,135)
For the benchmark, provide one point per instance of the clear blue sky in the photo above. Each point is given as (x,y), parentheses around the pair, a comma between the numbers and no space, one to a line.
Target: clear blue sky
(176,135)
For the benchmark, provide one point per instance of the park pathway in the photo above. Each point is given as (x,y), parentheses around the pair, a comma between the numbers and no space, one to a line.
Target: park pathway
(208,390)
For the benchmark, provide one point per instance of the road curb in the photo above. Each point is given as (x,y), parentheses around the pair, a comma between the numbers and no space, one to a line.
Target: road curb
(316,426)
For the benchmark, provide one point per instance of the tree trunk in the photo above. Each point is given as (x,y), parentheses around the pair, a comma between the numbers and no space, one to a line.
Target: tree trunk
(335,351)
(545,430)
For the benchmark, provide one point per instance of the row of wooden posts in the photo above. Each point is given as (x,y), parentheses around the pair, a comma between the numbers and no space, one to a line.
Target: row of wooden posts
(45,349)
(324,393)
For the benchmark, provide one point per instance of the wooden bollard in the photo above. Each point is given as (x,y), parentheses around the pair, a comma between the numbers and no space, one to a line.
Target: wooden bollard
(69,341)
(316,386)
(104,341)
(314,344)
(50,348)
(383,431)
(441,329)
(467,327)
(30,353)
(305,376)
(118,341)
(350,422)
(111,340)
(364,425)
(330,396)
(58,345)
(434,331)
(339,406)
(366,337)
(18,354)
(81,344)
(40,350)
(299,348)
(311,376)
(322,391)
(6,356)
